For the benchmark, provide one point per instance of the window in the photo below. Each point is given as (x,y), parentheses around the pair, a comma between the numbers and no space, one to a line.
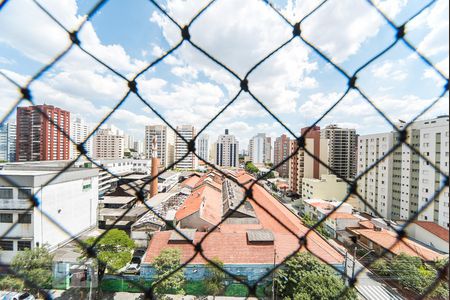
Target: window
(22,245)
(6,245)
(6,218)
(6,193)
(24,194)
(24,219)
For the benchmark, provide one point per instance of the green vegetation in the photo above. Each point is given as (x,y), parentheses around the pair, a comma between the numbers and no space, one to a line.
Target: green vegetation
(215,281)
(320,229)
(164,264)
(115,248)
(34,265)
(412,274)
(305,277)
(251,168)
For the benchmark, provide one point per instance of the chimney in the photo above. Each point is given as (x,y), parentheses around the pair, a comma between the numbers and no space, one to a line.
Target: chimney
(155,165)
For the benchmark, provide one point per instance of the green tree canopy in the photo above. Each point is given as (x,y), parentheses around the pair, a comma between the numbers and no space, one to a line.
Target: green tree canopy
(305,277)
(34,265)
(165,263)
(413,275)
(214,283)
(251,168)
(115,249)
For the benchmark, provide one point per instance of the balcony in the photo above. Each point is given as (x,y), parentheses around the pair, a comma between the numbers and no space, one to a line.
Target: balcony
(15,204)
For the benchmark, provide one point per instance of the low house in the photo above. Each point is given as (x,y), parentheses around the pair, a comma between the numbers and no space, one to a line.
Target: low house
(430,234)
(318,209)
(338,221)
(383,241)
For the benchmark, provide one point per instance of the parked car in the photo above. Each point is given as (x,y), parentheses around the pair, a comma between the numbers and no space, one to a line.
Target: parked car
(17,296)
(132,269)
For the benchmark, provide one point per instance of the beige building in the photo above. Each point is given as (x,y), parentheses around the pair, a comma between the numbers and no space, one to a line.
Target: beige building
(303,165)
(329,187)
(165,138)
(109,144)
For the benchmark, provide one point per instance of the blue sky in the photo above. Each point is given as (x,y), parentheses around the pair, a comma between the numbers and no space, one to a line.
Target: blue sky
(187,88)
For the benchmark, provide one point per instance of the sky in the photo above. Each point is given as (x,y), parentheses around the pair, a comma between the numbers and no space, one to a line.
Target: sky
(296,84)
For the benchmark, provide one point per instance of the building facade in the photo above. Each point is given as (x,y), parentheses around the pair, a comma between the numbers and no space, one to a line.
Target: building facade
(79,132)
(37,136)
(109,143)
(404,183)
(182,148)
(328,187)
(259,149)
(376,185)
(59,205)
(203,149)
(307,165)
(8,142)
(281,150)
(227,151)
(342,150)
(165,144)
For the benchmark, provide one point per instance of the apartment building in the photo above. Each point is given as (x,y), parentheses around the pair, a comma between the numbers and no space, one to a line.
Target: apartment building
(304,165)
(328,187)
(376,185)
(203,149)
(182,148)
(79,131)
(165,138)
(8,141)
(109,143)
(37,136)
(227,151)
(404,183)
(342,150)
(282,149)
(260,149)
(70,200)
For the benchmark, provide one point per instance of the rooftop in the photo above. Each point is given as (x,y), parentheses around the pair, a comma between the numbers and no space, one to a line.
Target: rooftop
(435,229)
(389,240)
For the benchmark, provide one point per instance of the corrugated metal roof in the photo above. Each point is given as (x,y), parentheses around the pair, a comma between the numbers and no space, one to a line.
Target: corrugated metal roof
(260,235)
(188,233)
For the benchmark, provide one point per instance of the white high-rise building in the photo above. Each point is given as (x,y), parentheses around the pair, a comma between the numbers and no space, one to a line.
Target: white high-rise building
(109,143)
(342,150)
(182,148)
(8,142)
(376,186)
(129,142)
(227,151)
(79,131)
(139,147)
(165,142)
(406,182)
(260,149)
(203,147)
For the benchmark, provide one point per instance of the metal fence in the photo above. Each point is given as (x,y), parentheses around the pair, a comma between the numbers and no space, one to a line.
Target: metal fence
(26,95)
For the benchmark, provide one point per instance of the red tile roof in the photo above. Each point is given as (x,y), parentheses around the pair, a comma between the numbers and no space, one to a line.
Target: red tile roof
(230,248)
(367,224)
(435,229)
(388,240)
(229,242)
(282,215)
(212,209)
(340,215)
(191,181)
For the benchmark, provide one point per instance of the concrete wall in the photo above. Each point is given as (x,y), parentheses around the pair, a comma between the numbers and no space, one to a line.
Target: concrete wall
(419,234)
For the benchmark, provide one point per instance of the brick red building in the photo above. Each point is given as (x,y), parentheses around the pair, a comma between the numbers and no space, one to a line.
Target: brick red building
(281,150)
(38,138)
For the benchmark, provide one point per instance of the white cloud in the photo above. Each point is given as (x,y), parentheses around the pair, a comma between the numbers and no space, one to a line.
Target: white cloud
(390,70)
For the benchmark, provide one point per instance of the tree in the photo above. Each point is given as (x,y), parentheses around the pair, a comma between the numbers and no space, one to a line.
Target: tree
(34,268)
(305,277)
(11,283)
(164,264)
(114,250)
(413,275)
(251,168)
(215,281)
